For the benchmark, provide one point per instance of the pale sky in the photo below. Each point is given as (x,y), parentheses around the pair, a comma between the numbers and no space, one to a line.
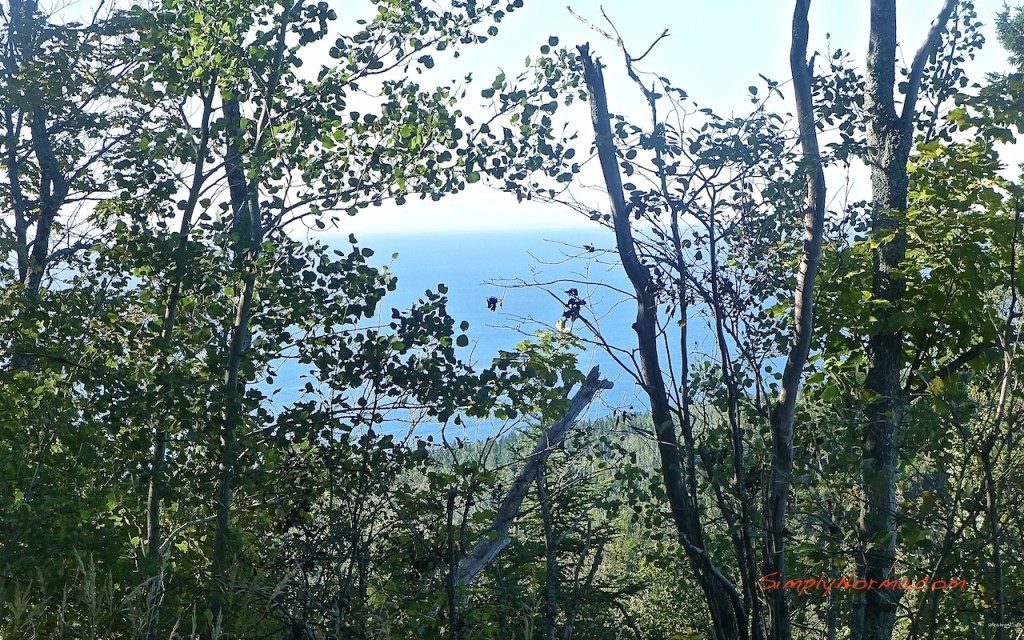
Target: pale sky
(714,52)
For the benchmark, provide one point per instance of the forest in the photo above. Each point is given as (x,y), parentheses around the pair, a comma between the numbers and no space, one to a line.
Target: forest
(214,424)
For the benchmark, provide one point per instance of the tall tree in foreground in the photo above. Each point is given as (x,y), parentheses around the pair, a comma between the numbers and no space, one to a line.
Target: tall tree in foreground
(890,138)
(714,225)
(64,119)
(730,618)
(711,194)
(784,410)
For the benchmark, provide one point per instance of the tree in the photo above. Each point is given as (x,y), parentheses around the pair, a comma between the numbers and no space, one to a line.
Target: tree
(890,140)
(211,292)
(688,174)
(719,202)
(730,618)
(64,117)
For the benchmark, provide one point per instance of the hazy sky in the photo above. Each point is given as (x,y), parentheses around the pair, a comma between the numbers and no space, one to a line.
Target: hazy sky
(715,51)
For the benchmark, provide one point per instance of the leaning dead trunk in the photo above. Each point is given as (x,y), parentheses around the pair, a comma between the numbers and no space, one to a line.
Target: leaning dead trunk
(497,537)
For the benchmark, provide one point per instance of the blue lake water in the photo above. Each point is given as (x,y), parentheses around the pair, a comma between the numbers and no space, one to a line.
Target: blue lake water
(521,269)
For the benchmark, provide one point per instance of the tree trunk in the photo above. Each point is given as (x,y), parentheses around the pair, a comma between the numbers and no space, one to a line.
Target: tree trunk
(247,225)
(890,137)
(154,498)
(550,558)
(53,187)
(496,539)
(782,415)
(728,614)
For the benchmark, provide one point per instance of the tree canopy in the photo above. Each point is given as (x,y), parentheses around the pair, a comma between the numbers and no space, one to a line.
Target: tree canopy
(212,419)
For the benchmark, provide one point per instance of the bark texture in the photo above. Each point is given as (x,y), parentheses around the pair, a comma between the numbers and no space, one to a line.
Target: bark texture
(890,137)
(728,613)
(782,415)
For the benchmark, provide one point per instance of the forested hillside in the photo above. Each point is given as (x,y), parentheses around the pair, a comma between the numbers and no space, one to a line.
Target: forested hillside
(215,424)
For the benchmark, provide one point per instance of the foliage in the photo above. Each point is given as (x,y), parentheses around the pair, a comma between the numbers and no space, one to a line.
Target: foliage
(211,428)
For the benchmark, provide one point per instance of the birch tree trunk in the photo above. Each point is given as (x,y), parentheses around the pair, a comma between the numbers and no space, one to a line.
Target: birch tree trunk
(782,415)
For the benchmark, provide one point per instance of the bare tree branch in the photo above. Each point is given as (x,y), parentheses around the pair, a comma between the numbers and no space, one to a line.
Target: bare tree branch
(920,60)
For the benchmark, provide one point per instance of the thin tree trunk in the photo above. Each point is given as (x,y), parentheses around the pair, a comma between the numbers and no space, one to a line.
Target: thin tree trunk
(248,227)
(1003,408)
(452,581)
(12,128)
(580,591)
(992,515)
(16,41)
(550,556)
(782,415)
(52,185)
(743,540)
(728,613)
(53,189)
(154,499)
